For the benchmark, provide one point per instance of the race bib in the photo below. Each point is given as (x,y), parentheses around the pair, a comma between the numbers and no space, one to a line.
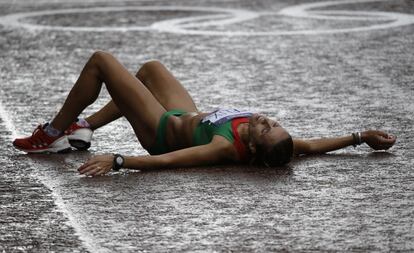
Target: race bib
(221,116)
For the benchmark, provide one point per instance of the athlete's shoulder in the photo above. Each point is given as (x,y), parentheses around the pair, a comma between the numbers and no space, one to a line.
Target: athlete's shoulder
(225,147)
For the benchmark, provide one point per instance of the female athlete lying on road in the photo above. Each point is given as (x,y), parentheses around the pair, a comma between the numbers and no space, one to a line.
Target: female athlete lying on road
(169,126)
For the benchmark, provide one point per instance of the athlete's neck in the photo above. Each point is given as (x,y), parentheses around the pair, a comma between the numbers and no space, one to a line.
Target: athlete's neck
(243,130)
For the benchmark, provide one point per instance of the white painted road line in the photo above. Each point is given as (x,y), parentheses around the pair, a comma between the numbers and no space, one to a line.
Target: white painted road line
(223,17)
(88,241)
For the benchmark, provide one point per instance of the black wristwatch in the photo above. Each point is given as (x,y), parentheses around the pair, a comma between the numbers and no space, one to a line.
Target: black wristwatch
(118,162)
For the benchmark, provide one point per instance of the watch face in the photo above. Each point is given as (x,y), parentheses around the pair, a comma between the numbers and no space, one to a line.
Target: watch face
(119,160)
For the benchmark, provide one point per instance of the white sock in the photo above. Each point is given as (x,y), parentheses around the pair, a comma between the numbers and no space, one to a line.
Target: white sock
(83,123)
(51,131)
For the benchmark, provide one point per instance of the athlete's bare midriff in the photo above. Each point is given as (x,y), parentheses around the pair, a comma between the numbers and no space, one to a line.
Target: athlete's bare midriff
(180,129)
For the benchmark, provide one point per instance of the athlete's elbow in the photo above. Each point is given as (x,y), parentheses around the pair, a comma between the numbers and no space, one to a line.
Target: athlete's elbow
(302,147)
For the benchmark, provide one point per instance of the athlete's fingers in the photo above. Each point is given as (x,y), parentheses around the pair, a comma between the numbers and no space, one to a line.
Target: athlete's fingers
(83,166)
(388,140)
(386,145)
(101,172)
(382,134)
(104,169)
(87,168)
(93,171)
(87,163)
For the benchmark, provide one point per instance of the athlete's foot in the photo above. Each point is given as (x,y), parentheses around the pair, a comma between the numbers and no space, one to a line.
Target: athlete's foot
(79,136)
(40,142)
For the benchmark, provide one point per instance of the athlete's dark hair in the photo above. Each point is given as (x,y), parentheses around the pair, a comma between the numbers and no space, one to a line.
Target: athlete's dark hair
(278,155)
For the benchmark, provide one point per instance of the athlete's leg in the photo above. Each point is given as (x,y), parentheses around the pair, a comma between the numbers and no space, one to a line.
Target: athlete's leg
(132,98)
(106,115)
(165,87)
(162,84)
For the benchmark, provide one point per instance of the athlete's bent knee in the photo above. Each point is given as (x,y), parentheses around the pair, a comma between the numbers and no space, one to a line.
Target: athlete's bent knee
(99,56)
(148,68)
(97,62)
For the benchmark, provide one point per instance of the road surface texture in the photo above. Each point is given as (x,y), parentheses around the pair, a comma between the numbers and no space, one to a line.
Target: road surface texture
(320,68)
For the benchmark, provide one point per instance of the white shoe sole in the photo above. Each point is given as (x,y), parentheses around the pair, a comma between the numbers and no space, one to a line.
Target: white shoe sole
(81,138)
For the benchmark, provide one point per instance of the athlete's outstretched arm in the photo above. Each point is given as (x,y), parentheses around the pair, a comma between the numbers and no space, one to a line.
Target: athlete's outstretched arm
(218,150)
(377,140)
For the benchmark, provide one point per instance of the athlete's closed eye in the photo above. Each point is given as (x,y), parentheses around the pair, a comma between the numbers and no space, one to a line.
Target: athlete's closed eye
(265,130)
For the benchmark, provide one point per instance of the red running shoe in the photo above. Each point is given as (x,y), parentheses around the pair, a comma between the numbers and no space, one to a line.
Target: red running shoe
(79,137)
(40,142)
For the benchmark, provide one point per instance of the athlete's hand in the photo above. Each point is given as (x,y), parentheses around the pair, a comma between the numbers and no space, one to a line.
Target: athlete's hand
(97,165)
(378,140)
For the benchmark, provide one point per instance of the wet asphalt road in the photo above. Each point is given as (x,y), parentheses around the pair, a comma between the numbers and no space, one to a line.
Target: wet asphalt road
(317,85)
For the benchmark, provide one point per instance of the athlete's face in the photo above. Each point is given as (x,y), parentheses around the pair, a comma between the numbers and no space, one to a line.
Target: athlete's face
(264,132)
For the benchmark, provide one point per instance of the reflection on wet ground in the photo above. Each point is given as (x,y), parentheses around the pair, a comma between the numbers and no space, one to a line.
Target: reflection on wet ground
(315,85)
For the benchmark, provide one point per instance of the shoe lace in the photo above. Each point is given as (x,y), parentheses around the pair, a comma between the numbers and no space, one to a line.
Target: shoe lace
(38,140)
